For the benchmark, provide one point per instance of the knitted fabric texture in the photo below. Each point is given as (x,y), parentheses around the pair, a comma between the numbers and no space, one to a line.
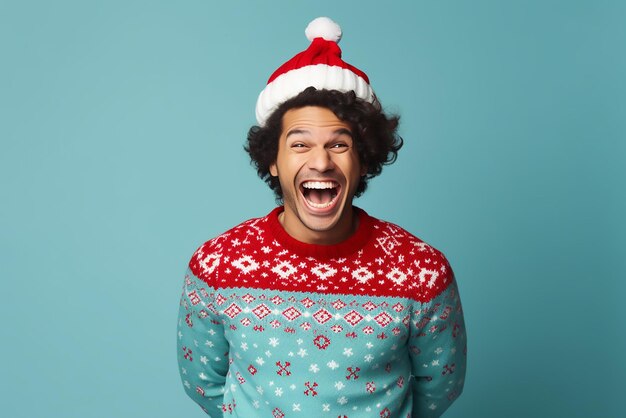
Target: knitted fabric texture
(272,327)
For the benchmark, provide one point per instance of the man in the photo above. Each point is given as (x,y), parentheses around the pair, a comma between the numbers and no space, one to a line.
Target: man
(318,309)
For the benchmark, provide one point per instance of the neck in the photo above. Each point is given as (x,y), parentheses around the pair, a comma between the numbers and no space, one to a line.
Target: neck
(362,230)
(345,227)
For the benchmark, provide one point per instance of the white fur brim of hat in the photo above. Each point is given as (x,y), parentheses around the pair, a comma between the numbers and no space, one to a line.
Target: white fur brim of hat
(320,76)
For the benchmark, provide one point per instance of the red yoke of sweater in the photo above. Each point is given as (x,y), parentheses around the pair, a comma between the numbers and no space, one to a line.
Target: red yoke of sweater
(379,259)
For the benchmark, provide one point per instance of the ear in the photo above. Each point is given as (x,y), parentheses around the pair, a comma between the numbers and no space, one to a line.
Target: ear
(273,170)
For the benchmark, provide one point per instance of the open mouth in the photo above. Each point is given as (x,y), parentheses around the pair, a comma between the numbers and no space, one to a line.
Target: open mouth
(320,194)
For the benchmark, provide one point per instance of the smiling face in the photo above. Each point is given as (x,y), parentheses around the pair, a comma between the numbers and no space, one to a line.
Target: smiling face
(319,170)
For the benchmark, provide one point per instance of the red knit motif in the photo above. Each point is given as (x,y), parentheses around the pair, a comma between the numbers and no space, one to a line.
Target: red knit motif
(380,259)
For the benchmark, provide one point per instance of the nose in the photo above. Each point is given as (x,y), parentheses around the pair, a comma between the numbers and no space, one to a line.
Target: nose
(320,159)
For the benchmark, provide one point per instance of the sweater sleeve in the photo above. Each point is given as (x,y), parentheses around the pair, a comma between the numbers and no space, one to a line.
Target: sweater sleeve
(202,348)
(438,353)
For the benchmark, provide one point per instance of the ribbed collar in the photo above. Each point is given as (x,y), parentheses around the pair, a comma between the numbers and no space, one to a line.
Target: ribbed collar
(345,248)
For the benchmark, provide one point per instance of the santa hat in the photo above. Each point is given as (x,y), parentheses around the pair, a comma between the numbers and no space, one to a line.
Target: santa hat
(319,66)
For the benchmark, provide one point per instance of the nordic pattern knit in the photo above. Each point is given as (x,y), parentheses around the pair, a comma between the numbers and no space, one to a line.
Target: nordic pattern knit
(273,327)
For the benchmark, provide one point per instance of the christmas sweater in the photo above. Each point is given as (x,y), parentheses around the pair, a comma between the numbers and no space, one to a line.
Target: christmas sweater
(273,327)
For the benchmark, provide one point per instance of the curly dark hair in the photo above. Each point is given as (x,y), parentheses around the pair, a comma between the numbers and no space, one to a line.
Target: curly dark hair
(374,133)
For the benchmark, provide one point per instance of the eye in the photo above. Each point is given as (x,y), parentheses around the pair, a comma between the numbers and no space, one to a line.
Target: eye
(339,146)
(298,146)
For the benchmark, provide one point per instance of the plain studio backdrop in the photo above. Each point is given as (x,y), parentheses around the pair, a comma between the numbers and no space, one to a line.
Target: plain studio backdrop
(122,126)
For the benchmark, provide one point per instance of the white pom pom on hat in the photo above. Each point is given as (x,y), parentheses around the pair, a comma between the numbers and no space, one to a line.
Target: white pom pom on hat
(319,66)
(323,27)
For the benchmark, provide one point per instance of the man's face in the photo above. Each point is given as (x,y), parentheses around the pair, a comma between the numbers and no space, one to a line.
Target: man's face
(319,170)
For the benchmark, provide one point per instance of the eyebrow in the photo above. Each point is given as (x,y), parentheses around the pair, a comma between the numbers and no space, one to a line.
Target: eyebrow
(337,132)
(295,132)
(343,131)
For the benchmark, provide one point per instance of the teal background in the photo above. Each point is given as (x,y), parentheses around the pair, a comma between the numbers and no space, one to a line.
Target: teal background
(121,129)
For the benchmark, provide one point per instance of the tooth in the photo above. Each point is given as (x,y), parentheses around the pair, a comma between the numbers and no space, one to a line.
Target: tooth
(318,185)
(320,205)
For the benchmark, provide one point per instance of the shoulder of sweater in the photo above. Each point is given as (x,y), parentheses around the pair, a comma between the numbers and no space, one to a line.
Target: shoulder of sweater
(396,235)
(426,268)
(207,257)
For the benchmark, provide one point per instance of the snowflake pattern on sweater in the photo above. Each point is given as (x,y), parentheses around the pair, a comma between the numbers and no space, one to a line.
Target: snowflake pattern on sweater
(272,327)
